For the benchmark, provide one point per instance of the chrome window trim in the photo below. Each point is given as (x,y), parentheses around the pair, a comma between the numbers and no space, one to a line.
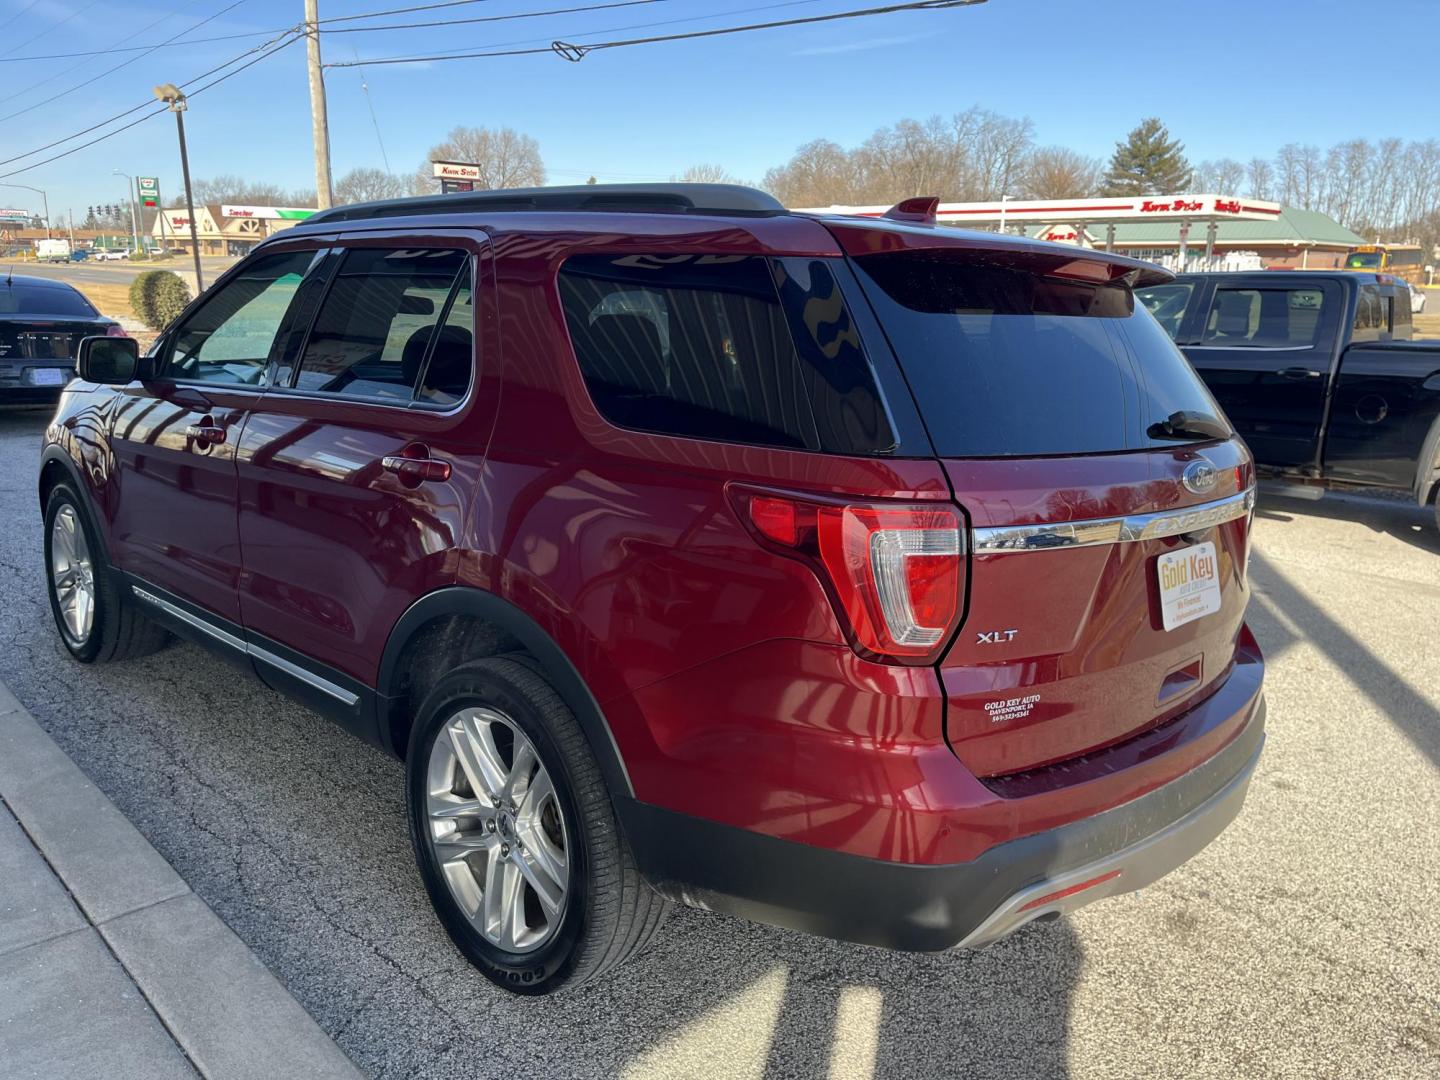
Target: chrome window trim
(325,686)
(1014,539)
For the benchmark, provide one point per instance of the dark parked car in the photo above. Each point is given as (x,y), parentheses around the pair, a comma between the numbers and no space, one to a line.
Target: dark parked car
(42,323)
(854,576)
(1317,372)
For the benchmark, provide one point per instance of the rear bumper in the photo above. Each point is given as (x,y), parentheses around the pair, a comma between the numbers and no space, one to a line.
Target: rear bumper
(933,907)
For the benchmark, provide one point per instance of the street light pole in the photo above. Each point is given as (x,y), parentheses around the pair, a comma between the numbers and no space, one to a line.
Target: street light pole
(134,226)
(43,197)
(175,100)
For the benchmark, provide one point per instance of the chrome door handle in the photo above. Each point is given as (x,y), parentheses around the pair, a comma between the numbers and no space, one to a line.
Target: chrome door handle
(1298,373)
(205,433)
(415,470)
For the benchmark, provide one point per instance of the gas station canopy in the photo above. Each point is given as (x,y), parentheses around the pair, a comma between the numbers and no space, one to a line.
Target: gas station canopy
(1184,210)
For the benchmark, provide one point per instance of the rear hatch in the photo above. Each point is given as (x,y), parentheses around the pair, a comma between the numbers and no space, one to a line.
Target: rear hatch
(1107,499)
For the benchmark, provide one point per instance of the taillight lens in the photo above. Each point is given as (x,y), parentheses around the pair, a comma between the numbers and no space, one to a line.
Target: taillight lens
(115,330)
(894,571)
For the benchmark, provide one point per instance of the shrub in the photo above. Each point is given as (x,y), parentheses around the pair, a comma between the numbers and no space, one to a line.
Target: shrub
(157,297)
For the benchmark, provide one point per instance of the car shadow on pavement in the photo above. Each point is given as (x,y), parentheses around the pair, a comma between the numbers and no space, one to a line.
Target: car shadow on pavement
(1397,517)
(1387,689)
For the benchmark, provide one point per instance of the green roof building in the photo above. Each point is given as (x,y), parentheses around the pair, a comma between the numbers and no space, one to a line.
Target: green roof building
(1305,239)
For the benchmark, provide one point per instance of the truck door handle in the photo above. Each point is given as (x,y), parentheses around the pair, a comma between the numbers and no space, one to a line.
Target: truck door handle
(415,466)
(1298,373)
(207,432)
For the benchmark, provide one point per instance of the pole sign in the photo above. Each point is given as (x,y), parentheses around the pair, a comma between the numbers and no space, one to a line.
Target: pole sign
(15,217)
(149,191)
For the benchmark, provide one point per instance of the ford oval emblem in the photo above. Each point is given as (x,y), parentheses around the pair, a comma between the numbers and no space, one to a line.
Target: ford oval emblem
(1199,477)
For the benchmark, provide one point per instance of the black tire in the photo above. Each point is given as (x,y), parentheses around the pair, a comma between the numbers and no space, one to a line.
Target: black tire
(610,913)
(118,630)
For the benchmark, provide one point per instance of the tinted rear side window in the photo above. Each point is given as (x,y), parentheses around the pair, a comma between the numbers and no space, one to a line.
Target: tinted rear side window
(1277,318)
(20,299)
(1007,360)
(704,346)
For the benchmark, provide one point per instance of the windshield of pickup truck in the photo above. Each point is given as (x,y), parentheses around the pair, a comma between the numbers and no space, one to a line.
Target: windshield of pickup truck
(1005,359)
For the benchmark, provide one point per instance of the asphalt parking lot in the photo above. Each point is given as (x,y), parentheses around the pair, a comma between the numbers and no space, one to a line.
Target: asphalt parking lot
(1304,943)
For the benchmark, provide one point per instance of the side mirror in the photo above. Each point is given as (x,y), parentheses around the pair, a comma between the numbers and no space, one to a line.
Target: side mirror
(113,361)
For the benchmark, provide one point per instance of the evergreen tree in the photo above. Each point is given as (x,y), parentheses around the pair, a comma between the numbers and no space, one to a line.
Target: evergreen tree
(1148,162)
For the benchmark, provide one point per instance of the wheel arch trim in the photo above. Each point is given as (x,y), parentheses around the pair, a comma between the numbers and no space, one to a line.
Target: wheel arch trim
(552,660)
(55,455)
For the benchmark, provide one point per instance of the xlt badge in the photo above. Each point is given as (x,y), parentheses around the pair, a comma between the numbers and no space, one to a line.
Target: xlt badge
(995,637)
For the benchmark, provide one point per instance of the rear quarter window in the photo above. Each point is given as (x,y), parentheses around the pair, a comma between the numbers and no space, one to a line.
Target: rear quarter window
(730,348)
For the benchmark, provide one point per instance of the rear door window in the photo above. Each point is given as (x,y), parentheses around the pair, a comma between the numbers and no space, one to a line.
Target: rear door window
(1007,360)
(1264,318)
(734,348)
(377,327)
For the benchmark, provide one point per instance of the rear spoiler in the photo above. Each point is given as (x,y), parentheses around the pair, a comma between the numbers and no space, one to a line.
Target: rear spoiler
(910,225)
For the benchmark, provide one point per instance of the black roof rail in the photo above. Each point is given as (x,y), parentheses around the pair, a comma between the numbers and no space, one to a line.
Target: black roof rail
(724,200)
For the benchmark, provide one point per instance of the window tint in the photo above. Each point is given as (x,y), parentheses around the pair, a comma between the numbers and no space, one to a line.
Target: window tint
(1264,318)
(18,299)
(452,355)
(374,329)
(1167,303)
(230,338)
(1372,314)
(702,346)
(1006,361)
(1404,307)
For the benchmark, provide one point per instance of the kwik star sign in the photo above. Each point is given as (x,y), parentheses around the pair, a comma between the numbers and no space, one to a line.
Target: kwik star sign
(1194,208)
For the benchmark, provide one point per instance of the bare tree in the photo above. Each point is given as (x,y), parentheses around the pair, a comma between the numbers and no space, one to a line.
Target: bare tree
(367,185)
(504,157)
(706,174)
(1260,176)
(1055,172)
(1223,176)
(820,174)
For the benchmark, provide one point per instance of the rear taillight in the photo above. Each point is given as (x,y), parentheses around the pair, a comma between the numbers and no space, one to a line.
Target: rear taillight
(895,572)
(115,330)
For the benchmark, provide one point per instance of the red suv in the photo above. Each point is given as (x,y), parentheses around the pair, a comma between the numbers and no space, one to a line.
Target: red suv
(875,579)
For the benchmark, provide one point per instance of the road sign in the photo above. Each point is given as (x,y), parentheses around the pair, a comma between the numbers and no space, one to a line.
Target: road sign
(149,191)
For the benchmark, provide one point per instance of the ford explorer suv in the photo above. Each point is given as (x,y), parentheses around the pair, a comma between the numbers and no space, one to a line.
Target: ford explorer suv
(1319,373)
(876,580)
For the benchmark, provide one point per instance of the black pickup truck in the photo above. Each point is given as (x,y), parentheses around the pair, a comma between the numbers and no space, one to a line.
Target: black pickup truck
(1317,371)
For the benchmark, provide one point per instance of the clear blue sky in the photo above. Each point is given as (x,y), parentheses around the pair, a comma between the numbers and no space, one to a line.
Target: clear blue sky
(1232,78)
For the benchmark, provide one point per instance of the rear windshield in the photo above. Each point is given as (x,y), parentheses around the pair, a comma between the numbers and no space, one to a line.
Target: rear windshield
(20,299)
(1006,361)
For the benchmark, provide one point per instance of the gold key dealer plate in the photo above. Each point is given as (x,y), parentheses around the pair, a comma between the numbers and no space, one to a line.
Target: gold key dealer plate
(1189,584)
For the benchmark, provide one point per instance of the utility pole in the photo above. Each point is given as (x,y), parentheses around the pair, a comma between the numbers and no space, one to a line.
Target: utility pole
(175,100)
(134,225)
(319,116)
(70,221)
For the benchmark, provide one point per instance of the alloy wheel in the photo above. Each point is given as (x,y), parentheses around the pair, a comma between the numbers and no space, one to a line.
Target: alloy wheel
(72,575)
(497,829)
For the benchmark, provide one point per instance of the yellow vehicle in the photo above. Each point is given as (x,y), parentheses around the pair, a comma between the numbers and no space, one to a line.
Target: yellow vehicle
(1403,261)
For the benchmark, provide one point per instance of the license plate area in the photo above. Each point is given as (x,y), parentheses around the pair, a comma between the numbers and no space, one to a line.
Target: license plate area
(1189,580)
(47,377)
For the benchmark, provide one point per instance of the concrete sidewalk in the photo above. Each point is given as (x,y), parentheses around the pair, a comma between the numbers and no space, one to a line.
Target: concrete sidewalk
(109,965)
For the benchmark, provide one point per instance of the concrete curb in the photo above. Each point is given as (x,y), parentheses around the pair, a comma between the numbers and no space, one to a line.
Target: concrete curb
(221,1005)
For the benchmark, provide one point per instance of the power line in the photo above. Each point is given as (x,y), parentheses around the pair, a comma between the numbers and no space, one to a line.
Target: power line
(548,42)
(490,18)
(51,28)
(324,23)
(287,38)
(110,71)
(17,15)
(577,52)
